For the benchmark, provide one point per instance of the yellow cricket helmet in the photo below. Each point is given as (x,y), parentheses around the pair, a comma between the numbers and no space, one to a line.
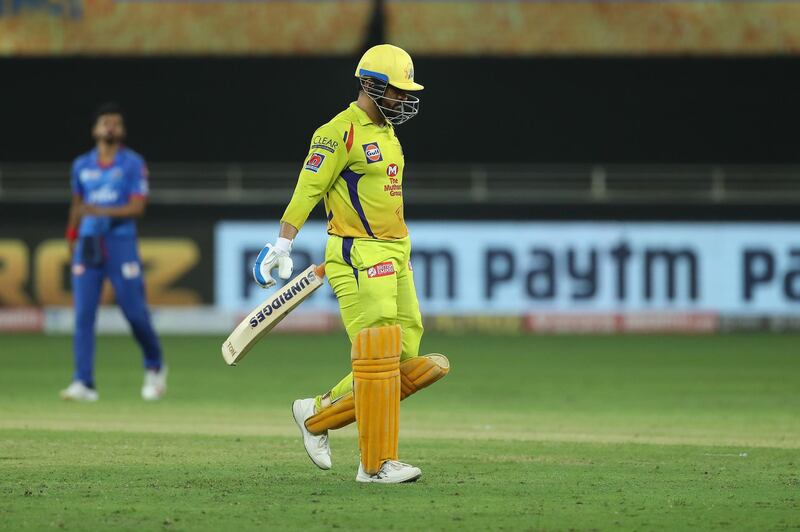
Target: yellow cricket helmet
(385,65)
(390,64)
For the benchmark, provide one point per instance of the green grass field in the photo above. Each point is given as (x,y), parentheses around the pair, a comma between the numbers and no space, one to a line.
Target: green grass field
(530,433)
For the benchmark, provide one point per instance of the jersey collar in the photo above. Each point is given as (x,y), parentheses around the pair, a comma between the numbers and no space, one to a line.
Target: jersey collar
(96,158)
(363,118)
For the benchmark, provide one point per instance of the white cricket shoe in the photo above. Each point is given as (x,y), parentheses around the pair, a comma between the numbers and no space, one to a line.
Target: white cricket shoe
(317,446)
(78,391)
(155,384)
(391,472)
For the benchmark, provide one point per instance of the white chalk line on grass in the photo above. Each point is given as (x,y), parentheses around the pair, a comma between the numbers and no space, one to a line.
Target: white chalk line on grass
(217,427)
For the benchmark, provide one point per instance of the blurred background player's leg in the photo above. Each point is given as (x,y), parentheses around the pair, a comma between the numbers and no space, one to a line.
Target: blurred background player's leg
(87,284)
(125,272)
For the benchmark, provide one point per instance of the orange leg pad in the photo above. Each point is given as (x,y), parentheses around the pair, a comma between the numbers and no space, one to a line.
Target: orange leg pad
(415,374)
(420,372)
(376,391)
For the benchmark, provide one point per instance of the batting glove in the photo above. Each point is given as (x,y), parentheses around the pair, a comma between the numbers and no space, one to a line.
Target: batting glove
(272,257)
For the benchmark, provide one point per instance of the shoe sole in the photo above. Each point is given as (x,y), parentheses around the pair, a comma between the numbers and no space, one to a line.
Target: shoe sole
(75,399)
(412,478)
(301,426)
(153,399)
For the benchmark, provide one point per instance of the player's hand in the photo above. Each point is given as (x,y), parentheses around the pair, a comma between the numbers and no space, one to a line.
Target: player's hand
(272,257)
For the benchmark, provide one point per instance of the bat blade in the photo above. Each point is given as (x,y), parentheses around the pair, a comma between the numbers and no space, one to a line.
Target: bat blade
(270,312)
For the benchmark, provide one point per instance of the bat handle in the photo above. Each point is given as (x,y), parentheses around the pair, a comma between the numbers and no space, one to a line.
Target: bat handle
(320,270)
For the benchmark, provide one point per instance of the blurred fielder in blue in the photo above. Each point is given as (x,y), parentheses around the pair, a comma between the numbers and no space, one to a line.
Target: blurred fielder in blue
(109,192)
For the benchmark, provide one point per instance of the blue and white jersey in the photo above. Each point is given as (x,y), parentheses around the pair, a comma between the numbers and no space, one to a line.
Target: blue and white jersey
(110,185)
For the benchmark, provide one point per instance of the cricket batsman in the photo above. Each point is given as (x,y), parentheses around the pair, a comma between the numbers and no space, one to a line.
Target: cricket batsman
(109,192)
(355,165)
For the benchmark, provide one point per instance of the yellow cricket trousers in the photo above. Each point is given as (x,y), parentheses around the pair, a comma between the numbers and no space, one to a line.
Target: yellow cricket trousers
(374,283)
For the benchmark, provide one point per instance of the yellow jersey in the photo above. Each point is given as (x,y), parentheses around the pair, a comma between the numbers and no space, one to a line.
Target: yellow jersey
(356,167)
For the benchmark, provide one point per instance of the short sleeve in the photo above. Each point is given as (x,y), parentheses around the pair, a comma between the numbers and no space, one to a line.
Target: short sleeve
(139,179)
(75,179)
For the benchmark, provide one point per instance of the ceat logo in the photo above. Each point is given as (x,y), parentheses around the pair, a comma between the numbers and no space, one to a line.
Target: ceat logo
(380,270)
(372,152)
(314,162)
(391,170)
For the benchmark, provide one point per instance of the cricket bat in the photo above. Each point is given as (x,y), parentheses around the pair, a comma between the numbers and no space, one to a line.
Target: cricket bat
(270,312)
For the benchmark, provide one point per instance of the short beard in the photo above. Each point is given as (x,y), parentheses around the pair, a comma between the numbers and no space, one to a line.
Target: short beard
(110,139)
(391,112)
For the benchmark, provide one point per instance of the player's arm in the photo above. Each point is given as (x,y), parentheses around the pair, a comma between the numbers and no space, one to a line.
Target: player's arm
(326,159)
(73,219)
(75,208)
(288,231)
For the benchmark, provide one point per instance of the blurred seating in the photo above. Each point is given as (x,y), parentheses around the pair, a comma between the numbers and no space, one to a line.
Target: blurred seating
(272,183)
